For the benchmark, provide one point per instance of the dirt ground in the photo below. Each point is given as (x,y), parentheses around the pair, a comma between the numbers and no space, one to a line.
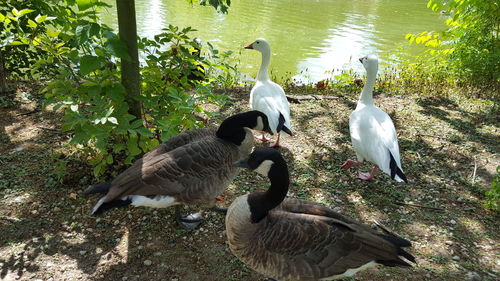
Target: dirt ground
(450,150)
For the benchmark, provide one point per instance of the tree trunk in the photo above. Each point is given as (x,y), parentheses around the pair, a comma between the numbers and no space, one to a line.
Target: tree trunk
(130,69)
(3,75)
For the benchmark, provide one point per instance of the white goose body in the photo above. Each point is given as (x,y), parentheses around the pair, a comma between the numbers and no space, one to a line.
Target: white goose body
(291,240)
(373,134)
(269,97)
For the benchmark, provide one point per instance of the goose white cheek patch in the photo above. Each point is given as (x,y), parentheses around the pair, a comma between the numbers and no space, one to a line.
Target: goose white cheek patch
(260,124)
(264,167)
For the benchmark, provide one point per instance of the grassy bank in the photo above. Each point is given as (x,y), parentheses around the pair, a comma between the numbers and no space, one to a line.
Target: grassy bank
(450,151)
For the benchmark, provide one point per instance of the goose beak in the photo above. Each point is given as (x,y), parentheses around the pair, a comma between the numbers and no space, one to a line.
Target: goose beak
(249,46)
(361,59)
(242,163)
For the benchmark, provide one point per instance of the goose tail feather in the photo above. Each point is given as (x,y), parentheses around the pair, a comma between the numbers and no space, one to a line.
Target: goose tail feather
(101,188)
(400,243)
(395,170)
(282,127)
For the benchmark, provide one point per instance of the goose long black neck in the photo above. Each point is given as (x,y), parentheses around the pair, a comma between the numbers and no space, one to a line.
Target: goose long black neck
(262,202)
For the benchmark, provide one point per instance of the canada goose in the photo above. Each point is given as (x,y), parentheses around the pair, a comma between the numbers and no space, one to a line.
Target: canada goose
(269,97)
(373,135)
(291,239)
(192,169)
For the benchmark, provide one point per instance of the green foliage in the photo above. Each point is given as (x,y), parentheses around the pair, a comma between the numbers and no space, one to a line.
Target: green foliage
(470,46)
(174,64)
(83,58)
(493,195)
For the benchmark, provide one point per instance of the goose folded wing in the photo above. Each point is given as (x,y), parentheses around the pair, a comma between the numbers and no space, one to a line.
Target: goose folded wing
(323,246)
(312,208)
(169,173)
(179,140)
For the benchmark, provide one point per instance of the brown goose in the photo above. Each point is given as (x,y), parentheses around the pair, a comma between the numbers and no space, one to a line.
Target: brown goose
(290,239)
(191,169)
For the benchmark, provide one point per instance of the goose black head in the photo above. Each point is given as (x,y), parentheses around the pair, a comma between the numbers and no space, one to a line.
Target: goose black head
(268,162)
(262,160)
(232,130)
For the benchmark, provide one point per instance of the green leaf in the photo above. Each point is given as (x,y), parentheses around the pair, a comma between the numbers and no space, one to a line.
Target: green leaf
(2,17)
(52,32)
(15,12)
(16,43)
(25,11)
(90,64)
(117,48)
(32,24)
(109,159)
(118,147)
(82,34)
(133,147)
(40,18)
(85,4)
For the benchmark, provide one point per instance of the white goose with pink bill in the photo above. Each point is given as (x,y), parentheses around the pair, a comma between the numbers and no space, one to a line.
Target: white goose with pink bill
(192,168)
(268,97)
(373,134)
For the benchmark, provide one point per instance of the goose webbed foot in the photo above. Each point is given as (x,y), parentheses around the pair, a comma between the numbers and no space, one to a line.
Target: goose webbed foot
(189,222)
(263,138)
(277,143)
(349,163)
(368,176)
(365,176)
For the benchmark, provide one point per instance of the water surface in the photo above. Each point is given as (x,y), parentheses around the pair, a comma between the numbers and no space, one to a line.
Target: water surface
(309,38)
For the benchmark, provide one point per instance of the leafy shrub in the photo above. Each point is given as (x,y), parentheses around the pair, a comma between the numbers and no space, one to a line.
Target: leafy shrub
(470,47)
(84,57)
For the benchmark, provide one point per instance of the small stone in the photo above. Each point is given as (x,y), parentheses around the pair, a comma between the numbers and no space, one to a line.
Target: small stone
(98,251)
(148,262)
(83,252)
(57,209)
(473,276)
(456,258)
(453,221)
(448,242)
(117,222)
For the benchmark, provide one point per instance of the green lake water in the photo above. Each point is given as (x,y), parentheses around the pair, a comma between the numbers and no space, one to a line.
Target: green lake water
(308,38)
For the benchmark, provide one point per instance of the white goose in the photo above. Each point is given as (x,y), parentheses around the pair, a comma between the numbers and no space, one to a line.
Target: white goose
(267,96)
(373,135)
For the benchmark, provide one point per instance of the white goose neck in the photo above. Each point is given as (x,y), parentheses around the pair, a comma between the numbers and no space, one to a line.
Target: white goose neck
(264,66)
(367,93)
